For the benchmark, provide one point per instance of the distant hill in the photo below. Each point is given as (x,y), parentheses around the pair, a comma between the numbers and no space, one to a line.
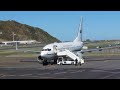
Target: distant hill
(23,32)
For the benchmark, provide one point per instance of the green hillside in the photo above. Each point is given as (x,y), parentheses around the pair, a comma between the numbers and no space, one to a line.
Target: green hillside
(23,32)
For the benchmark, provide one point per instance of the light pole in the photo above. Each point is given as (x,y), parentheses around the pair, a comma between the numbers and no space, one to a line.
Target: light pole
(16,46)
(13,35)
(1,34)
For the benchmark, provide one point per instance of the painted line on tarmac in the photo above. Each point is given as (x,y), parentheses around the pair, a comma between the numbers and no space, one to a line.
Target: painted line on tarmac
(44,74)
(108,76)
(99,71)
(71,70)
(10,75)
(48,67)
(2,75)
(77,71)
(60,78)
(105,71)
(42,77)
(25,75)
(33,76)
(47,77)
(60,72)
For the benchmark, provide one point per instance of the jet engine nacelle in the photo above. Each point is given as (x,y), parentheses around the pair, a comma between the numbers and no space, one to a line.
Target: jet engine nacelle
(39,59)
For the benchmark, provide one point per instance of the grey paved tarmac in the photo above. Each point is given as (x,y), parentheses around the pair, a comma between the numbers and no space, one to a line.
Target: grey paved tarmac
(93,68)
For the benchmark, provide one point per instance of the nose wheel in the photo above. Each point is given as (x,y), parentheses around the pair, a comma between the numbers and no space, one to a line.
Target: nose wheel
(45,62)
(55,61)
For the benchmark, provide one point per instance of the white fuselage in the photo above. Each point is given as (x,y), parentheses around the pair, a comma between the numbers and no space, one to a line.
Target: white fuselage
(50,50)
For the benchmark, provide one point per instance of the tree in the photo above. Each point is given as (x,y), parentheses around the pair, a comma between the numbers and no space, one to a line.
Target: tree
(88,40)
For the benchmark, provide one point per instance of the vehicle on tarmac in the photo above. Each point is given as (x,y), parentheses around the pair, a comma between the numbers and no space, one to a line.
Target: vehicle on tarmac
(63,61)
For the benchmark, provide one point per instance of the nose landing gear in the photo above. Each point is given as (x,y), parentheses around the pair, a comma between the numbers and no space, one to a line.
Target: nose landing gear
(45,62)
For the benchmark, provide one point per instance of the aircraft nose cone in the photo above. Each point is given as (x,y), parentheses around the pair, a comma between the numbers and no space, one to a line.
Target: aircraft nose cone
(43,54)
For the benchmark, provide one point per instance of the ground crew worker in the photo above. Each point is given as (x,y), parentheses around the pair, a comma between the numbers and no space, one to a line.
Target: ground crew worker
(76,61)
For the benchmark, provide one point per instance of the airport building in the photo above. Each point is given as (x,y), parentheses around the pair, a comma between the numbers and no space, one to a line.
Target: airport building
(19,42)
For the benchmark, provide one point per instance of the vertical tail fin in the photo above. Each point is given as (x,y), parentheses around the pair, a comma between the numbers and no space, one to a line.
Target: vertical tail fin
(79,36)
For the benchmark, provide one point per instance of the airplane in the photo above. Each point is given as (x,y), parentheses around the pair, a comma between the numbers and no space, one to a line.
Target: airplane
(71,50)
(51,51)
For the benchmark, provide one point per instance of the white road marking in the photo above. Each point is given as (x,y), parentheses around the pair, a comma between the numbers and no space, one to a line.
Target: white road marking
(40,77)
(33,76)
(71,70)
(60,72)
(108,76)
(2,75)
(43,74)
(105,71)
(77,71)
(10,75)
(47,77)
(25,75)
(99,71)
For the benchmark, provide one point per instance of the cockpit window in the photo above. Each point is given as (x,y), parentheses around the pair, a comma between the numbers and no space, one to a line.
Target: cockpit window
(46,50)
(49,49)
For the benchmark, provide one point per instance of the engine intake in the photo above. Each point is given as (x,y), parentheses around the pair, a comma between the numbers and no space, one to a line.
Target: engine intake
(39,59)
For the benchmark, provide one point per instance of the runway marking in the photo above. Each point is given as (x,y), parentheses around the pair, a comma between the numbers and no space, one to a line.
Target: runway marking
(59,78)
(10,75)
(33,76)
(60,72)
(25,75)
(48,67)
(77,71)
(71,70)
(43,74)
(2,75)
(47,77)
(105,71)
(99,71)
(108,76)
(42,77)
(52,78)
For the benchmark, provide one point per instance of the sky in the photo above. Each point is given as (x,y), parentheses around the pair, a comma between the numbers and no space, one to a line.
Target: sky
(97,25)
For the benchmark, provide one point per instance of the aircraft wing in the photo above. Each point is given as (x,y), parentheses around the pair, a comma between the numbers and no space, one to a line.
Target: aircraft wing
(98,49)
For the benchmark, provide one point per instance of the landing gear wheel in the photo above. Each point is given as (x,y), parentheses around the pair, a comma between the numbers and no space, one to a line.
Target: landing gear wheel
(39,59)
(55,61)
(45,62)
